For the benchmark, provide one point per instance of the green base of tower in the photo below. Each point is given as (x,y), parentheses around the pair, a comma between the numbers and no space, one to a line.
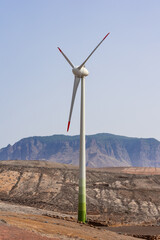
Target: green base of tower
(82,212)
(82,216)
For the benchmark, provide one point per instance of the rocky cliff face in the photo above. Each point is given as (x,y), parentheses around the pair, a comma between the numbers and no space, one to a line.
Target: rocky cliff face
(102,150)
(112,194)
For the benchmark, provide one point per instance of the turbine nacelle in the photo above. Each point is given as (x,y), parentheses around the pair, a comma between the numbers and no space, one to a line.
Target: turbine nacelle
(83,72)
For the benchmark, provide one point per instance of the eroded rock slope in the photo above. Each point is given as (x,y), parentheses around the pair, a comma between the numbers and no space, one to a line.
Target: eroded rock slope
(112,194)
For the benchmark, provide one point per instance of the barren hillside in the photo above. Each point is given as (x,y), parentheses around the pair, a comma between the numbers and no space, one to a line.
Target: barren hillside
(114,195)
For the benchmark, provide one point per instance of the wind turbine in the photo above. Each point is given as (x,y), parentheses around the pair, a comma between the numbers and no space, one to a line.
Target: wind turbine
(80,73)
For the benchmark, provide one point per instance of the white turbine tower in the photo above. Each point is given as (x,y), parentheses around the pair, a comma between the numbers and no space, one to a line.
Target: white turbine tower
(80,73)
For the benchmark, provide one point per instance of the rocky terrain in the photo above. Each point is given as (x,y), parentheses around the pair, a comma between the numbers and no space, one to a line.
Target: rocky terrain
(42,196)
(102,150)
(115,196)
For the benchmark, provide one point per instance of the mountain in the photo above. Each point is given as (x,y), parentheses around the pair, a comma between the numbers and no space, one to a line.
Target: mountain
(102,150)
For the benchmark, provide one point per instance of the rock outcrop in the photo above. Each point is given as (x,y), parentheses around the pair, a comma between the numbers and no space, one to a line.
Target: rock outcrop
(113,195)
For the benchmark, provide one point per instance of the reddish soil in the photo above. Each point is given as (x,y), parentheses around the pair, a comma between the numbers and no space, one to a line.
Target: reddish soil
(20,226)
(14,233)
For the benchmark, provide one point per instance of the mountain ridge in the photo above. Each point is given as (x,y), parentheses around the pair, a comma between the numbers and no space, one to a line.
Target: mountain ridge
(102,150)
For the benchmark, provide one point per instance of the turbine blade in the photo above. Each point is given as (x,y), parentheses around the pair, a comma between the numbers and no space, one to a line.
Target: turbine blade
(66,57)
(92,52)
(75,86)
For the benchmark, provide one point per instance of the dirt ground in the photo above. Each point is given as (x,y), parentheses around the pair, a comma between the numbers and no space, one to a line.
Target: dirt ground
(145,232)
(14,233)
(20,225)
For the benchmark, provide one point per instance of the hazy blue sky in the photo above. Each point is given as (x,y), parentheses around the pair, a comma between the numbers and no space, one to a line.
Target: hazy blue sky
(123,88)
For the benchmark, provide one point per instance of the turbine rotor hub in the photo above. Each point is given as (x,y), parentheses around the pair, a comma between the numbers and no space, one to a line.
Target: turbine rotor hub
(83,72)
